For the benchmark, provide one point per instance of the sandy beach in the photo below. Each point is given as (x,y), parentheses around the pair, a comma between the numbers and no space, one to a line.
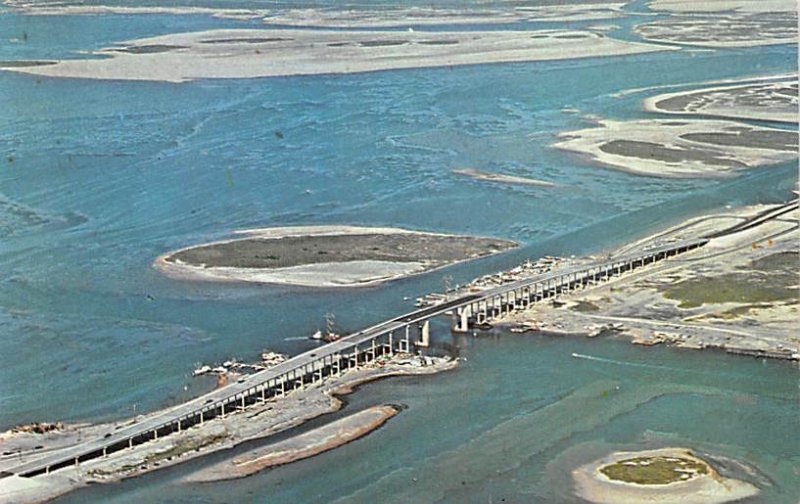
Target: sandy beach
(242,53)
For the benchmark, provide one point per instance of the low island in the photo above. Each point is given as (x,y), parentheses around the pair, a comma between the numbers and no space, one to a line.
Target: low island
(325,256)
(666,475)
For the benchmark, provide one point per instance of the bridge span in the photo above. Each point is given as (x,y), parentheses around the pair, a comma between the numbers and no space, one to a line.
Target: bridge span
(406,333)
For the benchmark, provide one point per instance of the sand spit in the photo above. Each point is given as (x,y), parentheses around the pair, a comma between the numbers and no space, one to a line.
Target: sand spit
(302,446)
(500,178)
(33,8)
(706,6)
(695,481)
(739,293)
(270,53)
(683,149)
(256,422)
(771,101)
(723,23)
(423,16)
(325,256)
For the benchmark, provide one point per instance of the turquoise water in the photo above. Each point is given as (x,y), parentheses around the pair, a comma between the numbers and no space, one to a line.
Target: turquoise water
(100,177)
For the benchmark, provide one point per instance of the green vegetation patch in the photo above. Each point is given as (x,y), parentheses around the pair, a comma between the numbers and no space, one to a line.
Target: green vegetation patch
(766,280)
(658,470)
(312,249)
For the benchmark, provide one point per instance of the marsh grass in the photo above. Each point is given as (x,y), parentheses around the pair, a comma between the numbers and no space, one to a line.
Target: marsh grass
(658,470)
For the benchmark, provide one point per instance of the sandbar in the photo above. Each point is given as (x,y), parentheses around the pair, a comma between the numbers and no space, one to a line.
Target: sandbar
(770,101)
(425,16)
(663,476)
(723,23)
(681,149)
(244,53)
(500,178)
(48,8)
(320,256)
(706,6)
(302,446)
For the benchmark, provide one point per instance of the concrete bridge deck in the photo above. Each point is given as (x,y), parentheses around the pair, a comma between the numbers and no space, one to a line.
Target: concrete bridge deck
(404,333)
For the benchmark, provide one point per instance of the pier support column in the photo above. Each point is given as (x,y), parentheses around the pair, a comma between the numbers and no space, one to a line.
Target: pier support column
(425,334)
(130,441)
(462,319)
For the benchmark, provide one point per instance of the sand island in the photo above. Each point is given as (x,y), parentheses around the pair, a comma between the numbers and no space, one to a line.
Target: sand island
(678,148)
(246,53)
(501,178)
(723,23)
(663,476)
(325,256)
(762,101)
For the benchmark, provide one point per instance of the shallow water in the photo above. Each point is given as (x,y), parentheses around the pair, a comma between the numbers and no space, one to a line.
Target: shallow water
(101,177)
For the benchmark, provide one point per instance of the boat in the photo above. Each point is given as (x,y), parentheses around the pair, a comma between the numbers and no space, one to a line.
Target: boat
(201,370)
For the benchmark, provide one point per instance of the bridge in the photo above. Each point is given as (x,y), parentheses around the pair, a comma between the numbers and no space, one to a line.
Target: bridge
(406,333)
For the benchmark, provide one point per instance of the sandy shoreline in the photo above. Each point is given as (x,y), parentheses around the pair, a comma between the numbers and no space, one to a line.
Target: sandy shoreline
(302,446)
(256,422)
(737,294)
(705,487)
(324,256)
(244,53)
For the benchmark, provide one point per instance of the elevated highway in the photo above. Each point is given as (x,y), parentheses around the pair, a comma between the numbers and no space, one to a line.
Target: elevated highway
(406,333)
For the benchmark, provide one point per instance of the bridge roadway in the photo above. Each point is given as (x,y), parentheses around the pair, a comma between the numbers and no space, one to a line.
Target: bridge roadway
(149,426)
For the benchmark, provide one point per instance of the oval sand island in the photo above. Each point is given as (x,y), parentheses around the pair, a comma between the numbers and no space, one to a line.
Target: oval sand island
(664,476)
(325,256)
